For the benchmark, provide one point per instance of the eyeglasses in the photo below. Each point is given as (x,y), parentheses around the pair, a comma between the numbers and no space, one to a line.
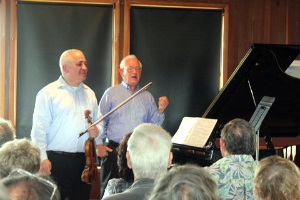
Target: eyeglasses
(47,183)
(131,68)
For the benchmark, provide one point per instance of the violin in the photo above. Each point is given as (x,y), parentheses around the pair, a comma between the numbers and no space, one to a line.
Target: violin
(90,169)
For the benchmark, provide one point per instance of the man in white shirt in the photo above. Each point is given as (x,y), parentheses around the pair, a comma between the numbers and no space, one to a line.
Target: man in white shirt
(57,121)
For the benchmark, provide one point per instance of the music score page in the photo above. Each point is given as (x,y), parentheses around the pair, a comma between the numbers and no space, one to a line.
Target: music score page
(194,131)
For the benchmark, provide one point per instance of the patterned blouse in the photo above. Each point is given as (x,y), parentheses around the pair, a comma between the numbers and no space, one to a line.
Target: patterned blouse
(116,185)
(234,176)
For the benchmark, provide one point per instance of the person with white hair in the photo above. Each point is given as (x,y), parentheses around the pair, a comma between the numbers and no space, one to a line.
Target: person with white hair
(58,118)
(149,155)
(141,109)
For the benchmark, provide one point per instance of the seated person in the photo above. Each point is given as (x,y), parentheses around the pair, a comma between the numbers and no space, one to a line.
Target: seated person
(118,185)
(21,184)
(149,156)
(19,153)
(7,132)
(234,173)
(276,178)
(185,182)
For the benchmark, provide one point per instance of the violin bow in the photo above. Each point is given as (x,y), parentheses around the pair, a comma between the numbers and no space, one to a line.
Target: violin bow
(114,109)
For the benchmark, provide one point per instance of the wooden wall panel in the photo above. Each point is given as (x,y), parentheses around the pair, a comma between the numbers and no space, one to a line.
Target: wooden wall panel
(233,36)
(245,30)
(261,21)
(278,21)
(293,22)
(250,21)
(2,56)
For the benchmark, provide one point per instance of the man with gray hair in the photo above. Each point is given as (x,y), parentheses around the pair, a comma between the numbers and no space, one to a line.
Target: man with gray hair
(19,153)
(7,132)
(141,109)
(234,173)
(149,155)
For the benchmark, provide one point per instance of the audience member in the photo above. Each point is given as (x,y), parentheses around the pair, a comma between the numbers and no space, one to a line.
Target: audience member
(19,153)
(23,185)
(235,171)
(118,185)
(149,157)
(7,132)
(276,178)
(187,182)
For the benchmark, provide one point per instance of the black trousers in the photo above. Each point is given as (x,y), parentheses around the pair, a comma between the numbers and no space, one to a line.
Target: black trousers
(109,168)
(66,172)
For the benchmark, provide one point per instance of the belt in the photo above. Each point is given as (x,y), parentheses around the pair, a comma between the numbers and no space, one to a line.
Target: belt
(113,143)
(76,154)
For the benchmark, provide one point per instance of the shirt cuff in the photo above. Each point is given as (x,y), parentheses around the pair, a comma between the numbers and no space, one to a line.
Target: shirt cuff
(44,156)
(99,141)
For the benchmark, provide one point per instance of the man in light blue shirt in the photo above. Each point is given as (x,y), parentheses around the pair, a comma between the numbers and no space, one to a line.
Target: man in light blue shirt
(57,121)
(141,109)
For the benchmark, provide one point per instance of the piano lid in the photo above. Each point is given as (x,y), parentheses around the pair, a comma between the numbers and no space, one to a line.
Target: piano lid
(262,70)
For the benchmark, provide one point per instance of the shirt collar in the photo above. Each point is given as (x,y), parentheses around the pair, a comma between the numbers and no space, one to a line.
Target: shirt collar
(143,181)
(62,83)
(128,88)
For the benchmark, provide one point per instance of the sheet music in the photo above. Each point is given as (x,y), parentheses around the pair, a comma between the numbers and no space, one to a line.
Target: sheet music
(194,131)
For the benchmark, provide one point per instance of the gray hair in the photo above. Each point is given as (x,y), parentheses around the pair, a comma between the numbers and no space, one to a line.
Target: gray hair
(34,186)
(122,64)
(7,132)
(149,149)
(276,178)
(19,153)
(185,182)
(239,137)
(66,57)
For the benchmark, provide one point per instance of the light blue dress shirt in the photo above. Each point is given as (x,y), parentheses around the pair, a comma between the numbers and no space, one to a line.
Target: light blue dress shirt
(140,109)
(58,117)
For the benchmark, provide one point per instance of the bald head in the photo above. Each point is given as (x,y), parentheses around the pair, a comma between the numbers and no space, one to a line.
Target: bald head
(73,67)
(67,56)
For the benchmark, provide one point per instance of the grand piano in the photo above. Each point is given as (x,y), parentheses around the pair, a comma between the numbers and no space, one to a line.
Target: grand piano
(262,72)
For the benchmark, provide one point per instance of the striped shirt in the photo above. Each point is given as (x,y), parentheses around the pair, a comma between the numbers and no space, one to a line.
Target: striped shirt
(140,109)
